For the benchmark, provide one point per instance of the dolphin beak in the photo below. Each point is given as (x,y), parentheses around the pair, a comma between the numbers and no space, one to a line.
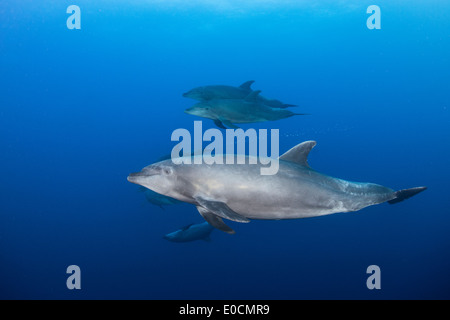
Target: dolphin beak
(134,177)
(141,176)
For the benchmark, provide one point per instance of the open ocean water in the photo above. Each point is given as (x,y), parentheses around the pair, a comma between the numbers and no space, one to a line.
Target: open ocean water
(80,109)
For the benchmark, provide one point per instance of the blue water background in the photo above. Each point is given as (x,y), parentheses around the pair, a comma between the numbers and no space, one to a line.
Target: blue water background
(81,109)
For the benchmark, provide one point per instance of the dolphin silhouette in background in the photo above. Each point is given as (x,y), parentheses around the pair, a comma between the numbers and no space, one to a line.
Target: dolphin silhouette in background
(218,92)
(239,192)
(158,199)
(191,232)
(227,112)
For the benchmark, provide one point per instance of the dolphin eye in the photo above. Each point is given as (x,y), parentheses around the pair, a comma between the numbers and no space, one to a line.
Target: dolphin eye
(167,171)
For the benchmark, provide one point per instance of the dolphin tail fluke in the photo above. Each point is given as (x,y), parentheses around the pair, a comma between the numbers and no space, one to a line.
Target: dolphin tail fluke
(405,194)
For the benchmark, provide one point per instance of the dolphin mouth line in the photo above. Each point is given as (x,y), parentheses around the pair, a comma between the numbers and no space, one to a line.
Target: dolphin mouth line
(134,177)
(131,178)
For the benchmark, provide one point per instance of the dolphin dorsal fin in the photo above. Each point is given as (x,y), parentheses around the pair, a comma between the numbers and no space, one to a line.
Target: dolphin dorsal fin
(299,153)
(247,85)
(252,96)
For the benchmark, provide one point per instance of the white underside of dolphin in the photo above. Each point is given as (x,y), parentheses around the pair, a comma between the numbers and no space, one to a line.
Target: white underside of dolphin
(238,192)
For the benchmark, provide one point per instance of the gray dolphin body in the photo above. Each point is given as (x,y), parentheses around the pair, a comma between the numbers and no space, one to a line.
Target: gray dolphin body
(239,192)
(192,232)
(218,92)
(230,111)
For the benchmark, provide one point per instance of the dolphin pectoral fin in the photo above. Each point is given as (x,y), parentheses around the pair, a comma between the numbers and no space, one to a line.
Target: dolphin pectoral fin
(221,209)
(405,194)
(229,124)
(214,220)
(299,153)
(247,85)
(219,123)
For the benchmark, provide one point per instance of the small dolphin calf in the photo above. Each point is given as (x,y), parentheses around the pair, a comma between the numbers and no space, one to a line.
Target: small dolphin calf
(227,112)
(239,192)
(192,232)
(217,92)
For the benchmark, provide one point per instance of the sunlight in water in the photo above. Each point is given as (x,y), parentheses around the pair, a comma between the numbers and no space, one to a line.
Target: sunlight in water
(246,6)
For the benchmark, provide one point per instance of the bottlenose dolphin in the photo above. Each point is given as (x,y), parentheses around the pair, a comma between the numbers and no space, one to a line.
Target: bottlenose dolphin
(226,112)
(217,92)
(239,192)
(192,232)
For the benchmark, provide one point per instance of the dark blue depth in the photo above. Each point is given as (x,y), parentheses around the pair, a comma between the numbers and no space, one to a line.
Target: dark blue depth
(81,109)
